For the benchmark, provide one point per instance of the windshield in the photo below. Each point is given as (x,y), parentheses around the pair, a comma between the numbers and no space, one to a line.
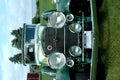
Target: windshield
(29,31)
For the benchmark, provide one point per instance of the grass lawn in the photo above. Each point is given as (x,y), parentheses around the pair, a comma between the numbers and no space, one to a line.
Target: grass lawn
(109,30)
(45,5)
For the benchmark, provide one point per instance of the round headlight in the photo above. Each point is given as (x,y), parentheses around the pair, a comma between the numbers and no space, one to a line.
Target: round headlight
(57,20)
(75,27)
(57,60)
(75,51)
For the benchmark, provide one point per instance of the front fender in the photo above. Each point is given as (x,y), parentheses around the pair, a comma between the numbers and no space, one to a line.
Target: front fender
(63,74)
(63,5)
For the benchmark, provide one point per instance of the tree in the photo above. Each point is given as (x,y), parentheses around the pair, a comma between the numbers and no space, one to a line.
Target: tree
(35,20)
(17,33)
(17,58)
(16,42)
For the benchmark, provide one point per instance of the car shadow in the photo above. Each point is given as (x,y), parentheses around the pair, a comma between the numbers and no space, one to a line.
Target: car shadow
(102,16)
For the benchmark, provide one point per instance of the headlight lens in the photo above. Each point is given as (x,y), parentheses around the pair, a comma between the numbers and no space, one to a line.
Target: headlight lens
(57,60)
(57,20)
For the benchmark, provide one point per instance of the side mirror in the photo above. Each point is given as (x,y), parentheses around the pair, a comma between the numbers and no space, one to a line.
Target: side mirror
(46,70)
(46,14)
(55,1)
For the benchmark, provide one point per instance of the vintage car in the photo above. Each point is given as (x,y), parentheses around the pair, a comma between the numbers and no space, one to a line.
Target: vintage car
(66,46)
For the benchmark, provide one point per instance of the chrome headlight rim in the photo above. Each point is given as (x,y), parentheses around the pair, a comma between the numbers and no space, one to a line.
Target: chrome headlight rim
(52,56)
(57,19)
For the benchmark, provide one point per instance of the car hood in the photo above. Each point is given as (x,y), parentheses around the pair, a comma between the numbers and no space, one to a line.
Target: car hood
(39,53)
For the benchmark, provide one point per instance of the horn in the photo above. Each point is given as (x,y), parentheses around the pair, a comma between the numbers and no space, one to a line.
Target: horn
(75,51)
(69,17)
(75,27)
(70,63)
